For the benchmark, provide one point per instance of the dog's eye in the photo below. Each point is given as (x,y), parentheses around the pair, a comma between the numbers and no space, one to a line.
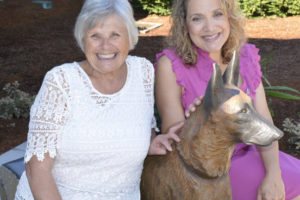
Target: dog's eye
(244,110)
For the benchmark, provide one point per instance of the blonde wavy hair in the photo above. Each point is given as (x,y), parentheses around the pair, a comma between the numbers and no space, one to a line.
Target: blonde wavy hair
(180,40)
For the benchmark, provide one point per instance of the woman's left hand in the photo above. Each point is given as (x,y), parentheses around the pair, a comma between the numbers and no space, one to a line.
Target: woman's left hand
(192,107)
(271,188)
(161,143)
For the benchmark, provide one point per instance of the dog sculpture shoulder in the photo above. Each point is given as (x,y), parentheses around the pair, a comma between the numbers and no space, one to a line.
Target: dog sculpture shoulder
(198,166)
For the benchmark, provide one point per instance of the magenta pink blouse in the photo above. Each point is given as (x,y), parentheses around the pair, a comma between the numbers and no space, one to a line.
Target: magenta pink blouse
(195,79)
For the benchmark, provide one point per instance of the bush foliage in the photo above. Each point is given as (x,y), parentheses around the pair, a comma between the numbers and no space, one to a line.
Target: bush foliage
(159,7)
(16,104)
(293,127)
(251,8)
(282,8)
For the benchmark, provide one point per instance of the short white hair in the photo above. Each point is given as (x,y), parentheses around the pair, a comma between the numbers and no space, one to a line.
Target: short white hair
(94,10)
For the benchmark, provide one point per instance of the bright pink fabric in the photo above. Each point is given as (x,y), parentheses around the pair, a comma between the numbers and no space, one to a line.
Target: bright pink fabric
(247,170)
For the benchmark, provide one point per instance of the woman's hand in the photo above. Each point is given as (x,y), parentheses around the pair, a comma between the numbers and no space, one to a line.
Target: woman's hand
(40,179)
(161,143)
(192,107)
(271,188)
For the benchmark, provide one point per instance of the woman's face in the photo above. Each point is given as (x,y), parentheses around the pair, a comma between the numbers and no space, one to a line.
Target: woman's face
(106,45)
(208,25)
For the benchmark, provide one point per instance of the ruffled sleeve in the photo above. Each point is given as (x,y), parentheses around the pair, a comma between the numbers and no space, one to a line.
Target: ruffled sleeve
(250,69)
(193,79)
(177,64)
(48,115)
(180,71)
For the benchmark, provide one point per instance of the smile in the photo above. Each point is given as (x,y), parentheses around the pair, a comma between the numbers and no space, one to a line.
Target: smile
(107,56)
(211,37)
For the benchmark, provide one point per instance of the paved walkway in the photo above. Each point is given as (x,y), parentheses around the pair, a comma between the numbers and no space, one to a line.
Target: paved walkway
(13,154)
(11,168)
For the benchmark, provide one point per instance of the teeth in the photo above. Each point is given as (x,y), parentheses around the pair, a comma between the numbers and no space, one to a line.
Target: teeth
(107,56)
(211,37)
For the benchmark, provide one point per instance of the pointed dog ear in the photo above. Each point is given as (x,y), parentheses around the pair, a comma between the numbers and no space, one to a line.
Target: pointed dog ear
(231,75)
(214,90)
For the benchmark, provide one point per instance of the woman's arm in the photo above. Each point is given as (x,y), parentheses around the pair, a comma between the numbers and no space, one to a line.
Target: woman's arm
(41,180)
(168,100)
(272,186)
(168,95)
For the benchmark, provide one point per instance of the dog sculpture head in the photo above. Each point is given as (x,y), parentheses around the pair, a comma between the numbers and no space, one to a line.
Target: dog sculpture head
(223,96)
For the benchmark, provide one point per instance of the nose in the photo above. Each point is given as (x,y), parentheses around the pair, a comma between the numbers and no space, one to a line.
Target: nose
(104,43)
(209,24)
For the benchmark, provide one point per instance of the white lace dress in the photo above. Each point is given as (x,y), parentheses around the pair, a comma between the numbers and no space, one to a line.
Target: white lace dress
(99,141)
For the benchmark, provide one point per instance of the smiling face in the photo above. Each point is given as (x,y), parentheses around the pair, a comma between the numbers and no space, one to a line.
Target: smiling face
(106,45)
(208,25)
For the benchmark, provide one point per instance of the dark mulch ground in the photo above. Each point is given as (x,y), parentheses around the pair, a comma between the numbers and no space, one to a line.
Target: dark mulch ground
(33,40)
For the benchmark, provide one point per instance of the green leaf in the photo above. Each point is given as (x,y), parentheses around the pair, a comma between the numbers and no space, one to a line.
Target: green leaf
(282,95)
(282,88)
(266,80)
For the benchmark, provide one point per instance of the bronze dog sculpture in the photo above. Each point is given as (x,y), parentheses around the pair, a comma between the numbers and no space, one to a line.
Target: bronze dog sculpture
(198,166)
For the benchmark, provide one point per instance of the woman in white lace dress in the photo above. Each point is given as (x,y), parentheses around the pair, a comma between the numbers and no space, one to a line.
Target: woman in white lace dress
(90,125)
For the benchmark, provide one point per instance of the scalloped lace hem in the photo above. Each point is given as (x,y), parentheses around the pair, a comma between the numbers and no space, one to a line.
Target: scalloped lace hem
(40,156)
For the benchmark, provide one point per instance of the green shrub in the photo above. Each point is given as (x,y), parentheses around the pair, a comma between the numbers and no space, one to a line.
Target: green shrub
(159,7)
(263,8)
(251,8)
(293,127)
(16,104)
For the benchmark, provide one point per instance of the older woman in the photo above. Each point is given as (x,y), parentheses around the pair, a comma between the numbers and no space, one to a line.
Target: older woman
(90,124)
(206,32)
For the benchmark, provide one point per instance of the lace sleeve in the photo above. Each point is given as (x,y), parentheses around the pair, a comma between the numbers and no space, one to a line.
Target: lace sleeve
(154,124)
(148,81)
(47,117)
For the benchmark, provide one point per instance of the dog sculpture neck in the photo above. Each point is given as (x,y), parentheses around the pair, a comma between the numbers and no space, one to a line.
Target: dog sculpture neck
(208,145)
(208,150)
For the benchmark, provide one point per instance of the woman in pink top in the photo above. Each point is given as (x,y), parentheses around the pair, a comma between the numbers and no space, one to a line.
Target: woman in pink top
(205,32)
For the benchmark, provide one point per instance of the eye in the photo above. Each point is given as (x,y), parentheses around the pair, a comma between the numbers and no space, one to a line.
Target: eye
(196,19)
(244,110)
(219,14)
(95,36)
(115,35)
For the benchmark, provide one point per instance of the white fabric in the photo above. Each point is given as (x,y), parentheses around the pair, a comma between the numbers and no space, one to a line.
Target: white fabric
(99,141)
